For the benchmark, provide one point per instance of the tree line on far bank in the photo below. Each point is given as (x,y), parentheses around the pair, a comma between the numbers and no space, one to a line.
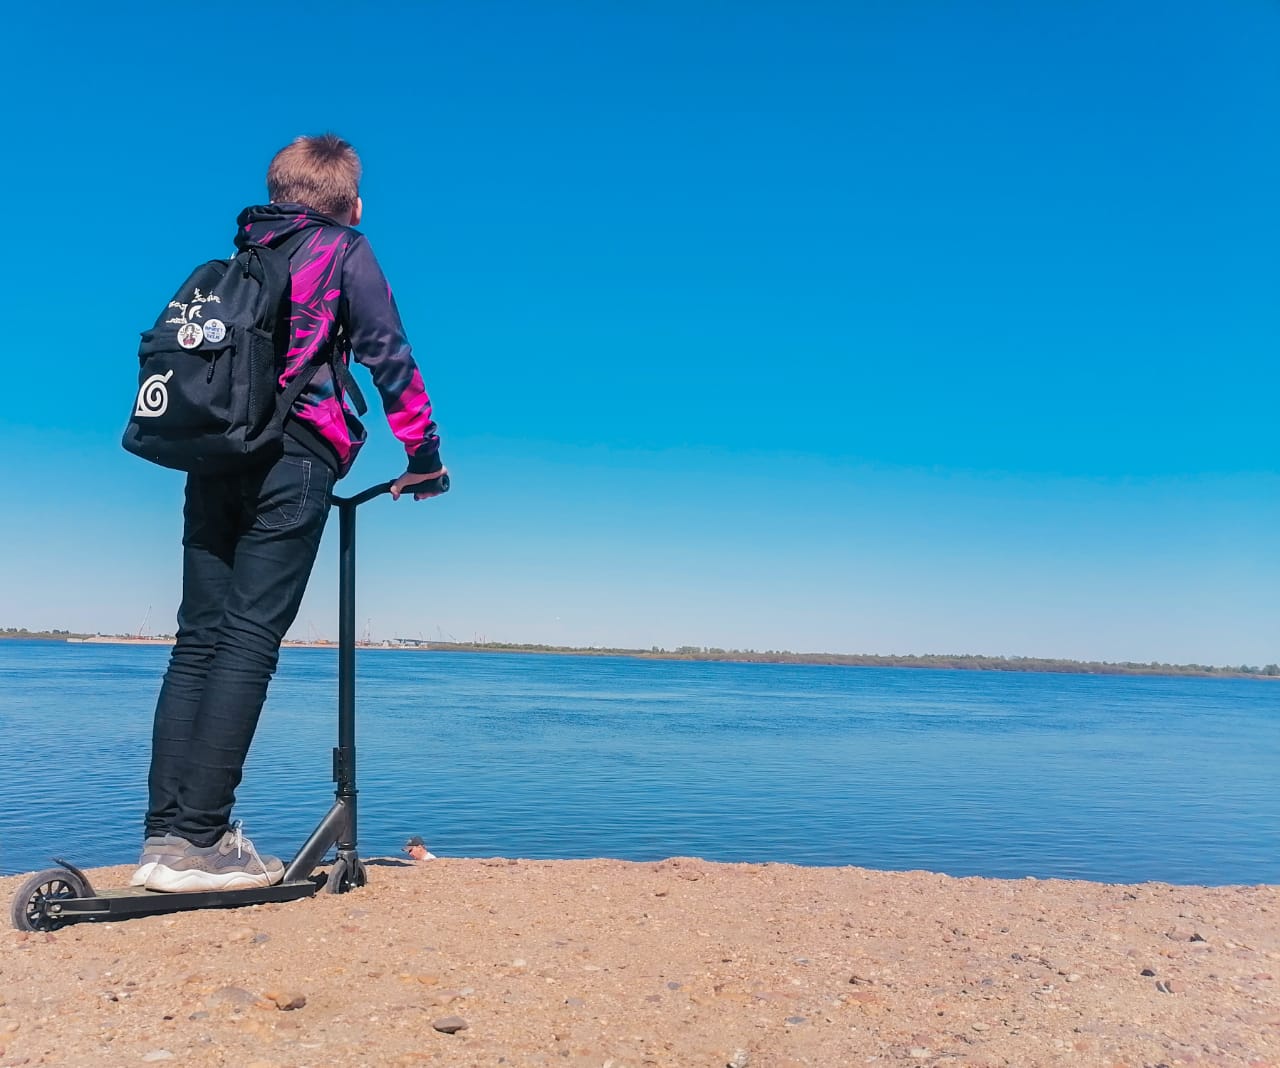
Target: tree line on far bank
(949,661)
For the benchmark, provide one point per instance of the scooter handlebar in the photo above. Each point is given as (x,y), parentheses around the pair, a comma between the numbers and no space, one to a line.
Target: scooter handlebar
(385,487)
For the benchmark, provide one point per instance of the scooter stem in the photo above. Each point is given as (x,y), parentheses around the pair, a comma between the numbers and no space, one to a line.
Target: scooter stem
(339,824)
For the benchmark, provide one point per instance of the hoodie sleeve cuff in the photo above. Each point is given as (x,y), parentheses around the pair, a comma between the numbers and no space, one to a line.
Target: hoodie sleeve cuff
(425,462)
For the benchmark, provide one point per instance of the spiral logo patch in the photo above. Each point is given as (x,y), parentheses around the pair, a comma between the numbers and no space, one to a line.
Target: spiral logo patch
(153,397)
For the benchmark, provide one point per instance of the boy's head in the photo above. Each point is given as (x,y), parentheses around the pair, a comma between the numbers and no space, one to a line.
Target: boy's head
(321,172)
(416,848)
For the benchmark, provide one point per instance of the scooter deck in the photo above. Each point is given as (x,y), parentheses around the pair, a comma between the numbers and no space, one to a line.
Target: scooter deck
(125,901)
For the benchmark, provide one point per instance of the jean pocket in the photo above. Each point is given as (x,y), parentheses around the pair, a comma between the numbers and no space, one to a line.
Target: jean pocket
(285,492)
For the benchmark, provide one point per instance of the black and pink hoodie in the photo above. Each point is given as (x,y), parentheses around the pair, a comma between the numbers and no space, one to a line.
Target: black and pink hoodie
(336,280)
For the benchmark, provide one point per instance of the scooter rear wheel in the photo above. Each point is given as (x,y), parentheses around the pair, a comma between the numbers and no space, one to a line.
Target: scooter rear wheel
(30,910)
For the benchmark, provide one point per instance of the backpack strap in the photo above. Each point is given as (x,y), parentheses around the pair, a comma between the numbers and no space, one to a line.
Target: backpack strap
(342,378)
(342,375)
(296,385)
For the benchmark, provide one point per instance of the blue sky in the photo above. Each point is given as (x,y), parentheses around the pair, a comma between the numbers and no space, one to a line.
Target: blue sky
(864,327)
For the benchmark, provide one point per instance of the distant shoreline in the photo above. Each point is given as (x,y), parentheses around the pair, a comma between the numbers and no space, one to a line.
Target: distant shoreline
(946,662)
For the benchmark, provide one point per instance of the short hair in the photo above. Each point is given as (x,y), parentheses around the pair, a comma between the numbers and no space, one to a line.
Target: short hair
(322,173)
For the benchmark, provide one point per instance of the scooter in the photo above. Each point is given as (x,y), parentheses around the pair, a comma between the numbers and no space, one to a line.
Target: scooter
(58,896)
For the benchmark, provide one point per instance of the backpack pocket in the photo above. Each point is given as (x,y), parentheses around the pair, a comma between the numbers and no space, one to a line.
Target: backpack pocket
(184,392)
(205,408)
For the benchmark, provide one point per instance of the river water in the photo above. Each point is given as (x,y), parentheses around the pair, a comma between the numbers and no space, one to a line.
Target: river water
(1118,779)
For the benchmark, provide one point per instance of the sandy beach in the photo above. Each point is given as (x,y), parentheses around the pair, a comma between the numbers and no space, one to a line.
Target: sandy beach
(681,962)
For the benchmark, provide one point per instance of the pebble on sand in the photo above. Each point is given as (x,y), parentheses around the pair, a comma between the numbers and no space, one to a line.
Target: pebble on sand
(449,1025)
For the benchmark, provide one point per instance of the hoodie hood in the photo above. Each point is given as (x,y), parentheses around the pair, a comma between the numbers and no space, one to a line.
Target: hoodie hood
(272,224)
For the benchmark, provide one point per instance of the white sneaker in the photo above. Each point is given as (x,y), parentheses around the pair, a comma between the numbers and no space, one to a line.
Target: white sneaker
(231,863)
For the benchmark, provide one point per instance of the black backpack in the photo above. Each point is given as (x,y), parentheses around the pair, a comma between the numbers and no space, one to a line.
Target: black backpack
(208,397)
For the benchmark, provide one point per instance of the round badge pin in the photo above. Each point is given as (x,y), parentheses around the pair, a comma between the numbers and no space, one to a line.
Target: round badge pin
(214,331)
(190,335)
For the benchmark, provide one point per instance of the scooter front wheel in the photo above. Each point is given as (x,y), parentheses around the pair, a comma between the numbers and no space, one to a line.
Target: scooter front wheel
(345,875)
(34,905)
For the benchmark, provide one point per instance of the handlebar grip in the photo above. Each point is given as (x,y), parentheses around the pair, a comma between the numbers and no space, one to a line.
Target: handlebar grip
(385,487)
(441,485)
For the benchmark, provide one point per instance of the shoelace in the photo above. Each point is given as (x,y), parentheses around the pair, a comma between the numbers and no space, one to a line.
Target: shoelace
(243,843)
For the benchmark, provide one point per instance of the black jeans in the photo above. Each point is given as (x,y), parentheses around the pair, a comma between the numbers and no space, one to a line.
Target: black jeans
(249,544)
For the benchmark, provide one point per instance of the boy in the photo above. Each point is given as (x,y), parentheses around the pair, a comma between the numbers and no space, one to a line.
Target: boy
(250,538)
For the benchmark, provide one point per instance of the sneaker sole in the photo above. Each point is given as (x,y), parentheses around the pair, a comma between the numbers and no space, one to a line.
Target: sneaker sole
(169,881)
(145,869)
